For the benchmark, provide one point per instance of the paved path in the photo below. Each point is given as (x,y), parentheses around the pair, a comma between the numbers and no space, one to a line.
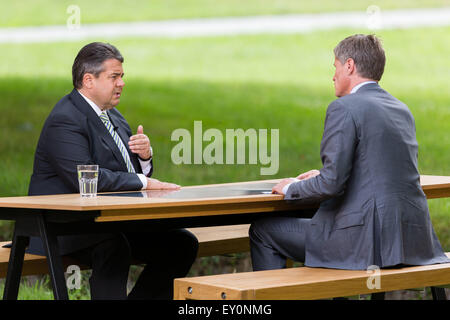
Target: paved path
(371,20)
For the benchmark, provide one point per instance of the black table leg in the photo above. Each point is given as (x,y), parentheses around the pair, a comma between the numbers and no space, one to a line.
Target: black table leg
(55,265)
(15,265)
(377,296)
(438,293)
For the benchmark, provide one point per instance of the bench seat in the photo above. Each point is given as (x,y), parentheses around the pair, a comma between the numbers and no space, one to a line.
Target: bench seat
(306,283)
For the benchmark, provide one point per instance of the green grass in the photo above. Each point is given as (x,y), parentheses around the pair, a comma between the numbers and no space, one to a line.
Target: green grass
(225,81)
(265,81)
(40,288)
(28,290)
(49,12)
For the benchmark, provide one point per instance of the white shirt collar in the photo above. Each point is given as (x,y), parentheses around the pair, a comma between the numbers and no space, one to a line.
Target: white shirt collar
(359,85)
(97,110)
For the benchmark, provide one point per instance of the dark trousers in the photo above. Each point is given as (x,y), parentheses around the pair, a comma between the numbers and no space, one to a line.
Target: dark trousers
(167,255)
(274,239)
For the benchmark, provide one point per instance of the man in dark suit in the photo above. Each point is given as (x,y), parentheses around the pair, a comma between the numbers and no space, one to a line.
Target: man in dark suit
(84,127)
(372,208)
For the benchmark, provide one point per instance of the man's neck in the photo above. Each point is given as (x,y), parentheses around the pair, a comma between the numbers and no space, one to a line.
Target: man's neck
(94,106)
(85,93)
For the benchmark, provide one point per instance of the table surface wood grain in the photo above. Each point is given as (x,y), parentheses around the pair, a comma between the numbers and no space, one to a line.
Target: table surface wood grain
(226,198)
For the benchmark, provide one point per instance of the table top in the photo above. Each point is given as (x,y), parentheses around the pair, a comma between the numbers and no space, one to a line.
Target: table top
(251,191)
(226,193)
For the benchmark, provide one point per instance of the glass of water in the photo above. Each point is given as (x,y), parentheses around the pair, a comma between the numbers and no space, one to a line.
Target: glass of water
(87,178)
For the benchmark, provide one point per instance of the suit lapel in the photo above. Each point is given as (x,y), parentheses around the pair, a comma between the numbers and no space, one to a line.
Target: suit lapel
(84,107)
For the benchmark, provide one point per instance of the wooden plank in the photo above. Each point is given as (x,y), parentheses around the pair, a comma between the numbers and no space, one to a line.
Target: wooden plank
(434,182)
(33,264)
(307,283)
(222,240)
(434,186)
(73,202)
(436,193)
(211,209)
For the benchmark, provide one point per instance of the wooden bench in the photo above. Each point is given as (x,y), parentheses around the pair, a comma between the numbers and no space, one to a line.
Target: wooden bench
(212,241)
(309,283)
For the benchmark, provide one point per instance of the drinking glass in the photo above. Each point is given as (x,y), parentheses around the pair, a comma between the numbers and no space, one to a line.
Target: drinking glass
(87,178)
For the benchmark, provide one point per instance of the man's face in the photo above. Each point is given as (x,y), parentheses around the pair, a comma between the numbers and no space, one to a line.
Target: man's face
(107,87)
(341,79)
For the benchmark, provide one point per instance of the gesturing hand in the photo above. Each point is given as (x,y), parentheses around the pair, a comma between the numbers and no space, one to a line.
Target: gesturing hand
(304,176)
(140,144)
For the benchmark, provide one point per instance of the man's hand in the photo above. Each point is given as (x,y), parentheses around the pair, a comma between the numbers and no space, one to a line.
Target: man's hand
(308,175)
(304,176)
(279,187)
(155,184)
(140,144)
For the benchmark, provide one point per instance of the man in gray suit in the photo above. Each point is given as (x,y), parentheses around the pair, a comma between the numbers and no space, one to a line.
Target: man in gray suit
(372,208)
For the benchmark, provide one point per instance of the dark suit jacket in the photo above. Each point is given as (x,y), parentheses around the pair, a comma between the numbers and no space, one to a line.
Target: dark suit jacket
(74,134)
(373,209)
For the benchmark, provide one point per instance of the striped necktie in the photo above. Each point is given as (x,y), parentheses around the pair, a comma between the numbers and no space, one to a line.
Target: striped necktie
(118,141)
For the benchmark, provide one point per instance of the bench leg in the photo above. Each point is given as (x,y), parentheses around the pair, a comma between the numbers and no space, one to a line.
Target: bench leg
(438,293)
(15,265)
(54,261)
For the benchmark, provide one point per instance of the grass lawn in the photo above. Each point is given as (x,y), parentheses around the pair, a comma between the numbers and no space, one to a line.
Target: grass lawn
(225,81)
(49,12)
(266,81)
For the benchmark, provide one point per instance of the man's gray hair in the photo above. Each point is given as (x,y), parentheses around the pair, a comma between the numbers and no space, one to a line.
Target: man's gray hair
(367,53)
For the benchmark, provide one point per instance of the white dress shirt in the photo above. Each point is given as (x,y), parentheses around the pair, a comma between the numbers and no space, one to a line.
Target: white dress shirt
(354,89)
(359,85)
(145,165)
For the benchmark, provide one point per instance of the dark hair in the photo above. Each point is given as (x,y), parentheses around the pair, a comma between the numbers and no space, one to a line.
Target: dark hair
(90,60)
(367,53)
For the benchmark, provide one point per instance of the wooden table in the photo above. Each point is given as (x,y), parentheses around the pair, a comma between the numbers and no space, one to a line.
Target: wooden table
(208,205)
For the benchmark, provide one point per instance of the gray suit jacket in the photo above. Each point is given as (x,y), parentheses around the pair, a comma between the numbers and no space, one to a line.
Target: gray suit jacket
(373,210)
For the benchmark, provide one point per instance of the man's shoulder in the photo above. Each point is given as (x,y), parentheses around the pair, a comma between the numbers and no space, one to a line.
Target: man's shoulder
(63,103)
(353,100)
(65,111)
(371,106)
(340,105)
(367,98)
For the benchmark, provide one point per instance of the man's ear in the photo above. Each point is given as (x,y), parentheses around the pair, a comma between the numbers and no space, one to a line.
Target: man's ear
(350,66)
(88,80)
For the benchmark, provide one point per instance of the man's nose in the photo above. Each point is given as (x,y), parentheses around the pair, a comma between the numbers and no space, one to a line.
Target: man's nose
(120,83)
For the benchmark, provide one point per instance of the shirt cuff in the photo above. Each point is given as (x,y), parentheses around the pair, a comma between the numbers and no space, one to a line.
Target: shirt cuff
(143,179)
(286,187)
(145,164)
